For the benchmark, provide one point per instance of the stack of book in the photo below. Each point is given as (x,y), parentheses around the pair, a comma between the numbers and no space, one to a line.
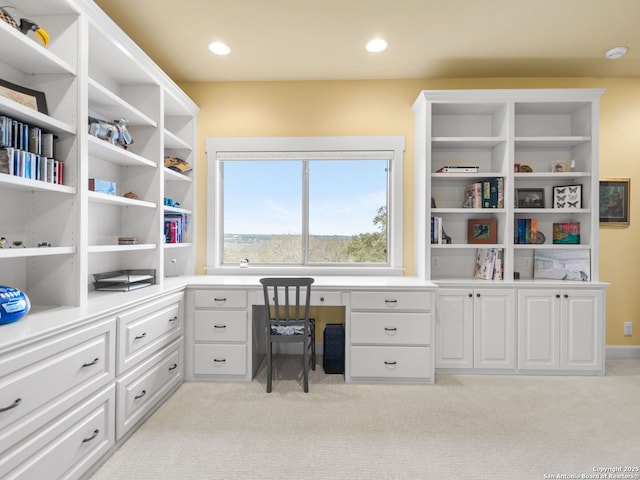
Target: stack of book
(526,231)
(127,240)
(26,151)
(489,263)
(175,227)
(485,194)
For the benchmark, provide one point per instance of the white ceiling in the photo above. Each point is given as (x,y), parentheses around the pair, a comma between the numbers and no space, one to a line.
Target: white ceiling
(324,39)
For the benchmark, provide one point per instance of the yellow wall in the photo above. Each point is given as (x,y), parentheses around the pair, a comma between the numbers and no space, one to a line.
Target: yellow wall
(383,107)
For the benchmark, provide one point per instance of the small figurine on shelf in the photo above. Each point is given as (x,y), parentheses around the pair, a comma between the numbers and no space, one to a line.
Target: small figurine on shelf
(115,132)
(3,240)
(130,195)
(25,25)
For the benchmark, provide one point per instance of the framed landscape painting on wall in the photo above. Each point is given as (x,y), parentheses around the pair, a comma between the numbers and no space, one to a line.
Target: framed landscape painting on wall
(614,201)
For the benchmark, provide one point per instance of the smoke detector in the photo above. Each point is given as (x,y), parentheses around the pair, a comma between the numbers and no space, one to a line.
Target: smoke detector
(615,53)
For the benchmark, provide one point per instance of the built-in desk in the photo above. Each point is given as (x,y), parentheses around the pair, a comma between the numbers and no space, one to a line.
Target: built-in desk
(389,327)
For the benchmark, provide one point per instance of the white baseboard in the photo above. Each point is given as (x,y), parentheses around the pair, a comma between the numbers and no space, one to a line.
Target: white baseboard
(620,352)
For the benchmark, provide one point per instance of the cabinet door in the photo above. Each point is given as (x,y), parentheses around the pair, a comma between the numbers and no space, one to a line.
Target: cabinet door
(454,328)
(538,329)
(581,330)
(494,332)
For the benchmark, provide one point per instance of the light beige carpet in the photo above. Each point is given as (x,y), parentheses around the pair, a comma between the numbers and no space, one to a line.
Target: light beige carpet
(464,426)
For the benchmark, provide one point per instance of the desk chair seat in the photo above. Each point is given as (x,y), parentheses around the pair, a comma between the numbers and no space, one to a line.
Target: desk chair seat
(287,320)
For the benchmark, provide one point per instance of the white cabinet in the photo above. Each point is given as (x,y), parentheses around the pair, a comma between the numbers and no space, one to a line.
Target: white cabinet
(475,328)
(561,330)
(91,68)
(221,334)
(390,337)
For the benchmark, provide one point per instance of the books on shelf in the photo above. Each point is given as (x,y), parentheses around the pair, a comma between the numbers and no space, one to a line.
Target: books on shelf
(175,227)
(458,169)
(489,264)
(26,151)
(485,194)
(526,231)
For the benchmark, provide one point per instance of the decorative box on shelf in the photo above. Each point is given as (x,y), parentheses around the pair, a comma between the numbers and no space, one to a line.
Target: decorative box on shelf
(124,280)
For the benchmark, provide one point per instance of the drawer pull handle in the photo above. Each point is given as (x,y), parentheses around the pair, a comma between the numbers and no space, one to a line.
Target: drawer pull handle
(219,299)
(173,367)
(391,301)
(219,326)
(12,406)
(95,360)
(144,334)
(142,394)
(219,360)
(173,319)
(390,329)
(390,364)
(95,434)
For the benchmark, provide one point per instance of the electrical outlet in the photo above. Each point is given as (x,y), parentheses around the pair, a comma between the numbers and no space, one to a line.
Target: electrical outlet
(628,328)
(526,262)
(435,263)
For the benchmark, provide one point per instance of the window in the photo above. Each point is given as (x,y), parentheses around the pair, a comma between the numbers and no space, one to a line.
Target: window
(305,202)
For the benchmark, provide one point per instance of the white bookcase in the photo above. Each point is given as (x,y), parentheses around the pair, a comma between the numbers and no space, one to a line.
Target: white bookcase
(495,130)
(527,320)
(91,68)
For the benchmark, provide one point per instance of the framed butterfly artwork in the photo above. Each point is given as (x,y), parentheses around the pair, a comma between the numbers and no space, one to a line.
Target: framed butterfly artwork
(567,196)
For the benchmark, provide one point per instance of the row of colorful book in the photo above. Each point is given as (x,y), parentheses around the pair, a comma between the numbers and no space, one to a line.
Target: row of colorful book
(485,194)
(25,137)
(175,227)
(526,231)
(489,264)
(30,165)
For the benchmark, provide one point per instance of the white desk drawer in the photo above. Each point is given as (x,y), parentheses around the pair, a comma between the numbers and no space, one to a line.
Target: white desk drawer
(220,359)
(220,326)
(391,328)
(40,382)
(391,300)
(220,298)
(68,447)
(141,389)
(147,329)
(318,298)
(391,362)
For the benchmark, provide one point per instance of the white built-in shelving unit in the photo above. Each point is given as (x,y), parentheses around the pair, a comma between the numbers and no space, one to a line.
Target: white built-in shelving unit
(91,68)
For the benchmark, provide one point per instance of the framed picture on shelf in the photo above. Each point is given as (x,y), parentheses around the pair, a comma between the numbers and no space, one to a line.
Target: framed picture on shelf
(482,230)
(565,264)
(32,99)
(566,233)
(614,201)
(567,196)
(530,197)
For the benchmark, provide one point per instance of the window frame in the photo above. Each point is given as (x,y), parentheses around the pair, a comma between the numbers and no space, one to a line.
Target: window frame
(219,149)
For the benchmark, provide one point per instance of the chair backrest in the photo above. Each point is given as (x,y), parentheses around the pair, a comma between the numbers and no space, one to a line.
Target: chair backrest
(277,293)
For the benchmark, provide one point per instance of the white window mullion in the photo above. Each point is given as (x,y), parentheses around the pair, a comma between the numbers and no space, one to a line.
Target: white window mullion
(305,212)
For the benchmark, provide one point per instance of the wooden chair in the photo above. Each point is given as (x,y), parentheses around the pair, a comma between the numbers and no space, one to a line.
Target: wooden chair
(287,320)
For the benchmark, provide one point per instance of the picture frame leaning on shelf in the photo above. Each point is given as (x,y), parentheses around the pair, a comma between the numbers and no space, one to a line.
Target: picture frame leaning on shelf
(26,97)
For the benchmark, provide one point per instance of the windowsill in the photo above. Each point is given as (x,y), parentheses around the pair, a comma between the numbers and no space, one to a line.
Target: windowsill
(300,270)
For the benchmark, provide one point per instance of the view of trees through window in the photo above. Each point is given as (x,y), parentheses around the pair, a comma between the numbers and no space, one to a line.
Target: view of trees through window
(288,212)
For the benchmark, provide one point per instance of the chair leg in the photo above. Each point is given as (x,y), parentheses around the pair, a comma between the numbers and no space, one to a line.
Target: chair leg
(305,367)
(269,365)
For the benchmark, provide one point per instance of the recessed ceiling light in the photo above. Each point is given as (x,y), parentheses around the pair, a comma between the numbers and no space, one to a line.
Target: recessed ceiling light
(219,48)
(615,53)
(376,45)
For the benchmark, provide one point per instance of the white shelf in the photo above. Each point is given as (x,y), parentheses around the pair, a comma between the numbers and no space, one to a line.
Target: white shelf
(27,55)
(114,154)
(550,142)
(121,248)
(173,176)
(24,114)
(465,246)
(550,175)
(113,107)
(168,209)
(550,211)
(178,245)
(30,185)
(549,246)
(468,211)
(35,252)
(466,142)
(97,197)
(172,141)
